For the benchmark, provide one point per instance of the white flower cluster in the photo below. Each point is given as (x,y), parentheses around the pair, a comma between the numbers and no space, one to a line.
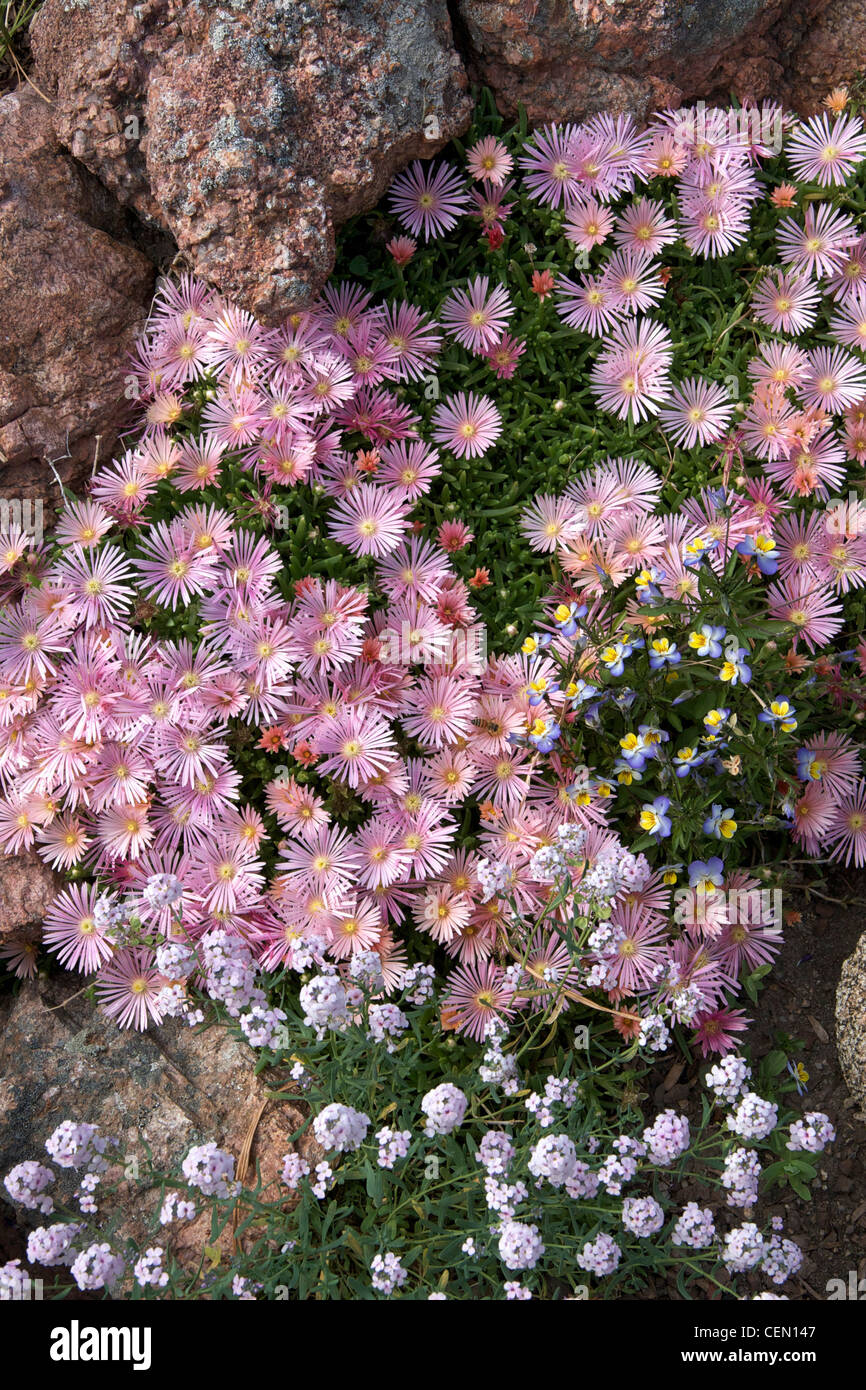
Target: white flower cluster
(341,1128)
(444,1107)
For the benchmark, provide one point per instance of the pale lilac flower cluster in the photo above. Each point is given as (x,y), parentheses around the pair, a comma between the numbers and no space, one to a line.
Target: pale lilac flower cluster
(294,1169)
(97,1267)
(516,1292)
(388,1273)
(616,1170)
(74,1145)
(582,1181)
(445,1107)
(740,1176)
(393,1145)
(162,890)
(175,1208)
(503,1197)
(211,1170)
(419,983)
(520,1245)
(175,960)
(495,1152)
(386,1023)
(148,1268)
(495,878)
(557,1091)
(667,1138)
(654,1033)
(323,1000)
(498,1068)
(781,1259)
(262,1026)
(743,1248)
(341,1128)
(728,1079)
(366,968)
(754,1118)
(52,1245)
(324,1178)
(600,1256)
(812,1134)
(694,1227)
(14,1282)
(643,1216)
(27,1183)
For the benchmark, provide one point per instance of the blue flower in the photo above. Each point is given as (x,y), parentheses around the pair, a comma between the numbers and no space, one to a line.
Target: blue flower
(663,653)
(654,820)
(720,823)
(708,642)
(763,549)
(780,711)
(706,876)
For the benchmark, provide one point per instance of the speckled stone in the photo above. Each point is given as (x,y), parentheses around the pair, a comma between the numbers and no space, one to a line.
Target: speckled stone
(250,130)
(27,889)
(564,61)
(851,1022)
(74,294)
(168,1088)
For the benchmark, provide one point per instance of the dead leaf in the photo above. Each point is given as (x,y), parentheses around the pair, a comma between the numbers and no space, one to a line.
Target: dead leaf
(820,1031)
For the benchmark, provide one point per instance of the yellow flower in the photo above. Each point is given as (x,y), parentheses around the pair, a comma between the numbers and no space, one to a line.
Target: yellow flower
(727,828)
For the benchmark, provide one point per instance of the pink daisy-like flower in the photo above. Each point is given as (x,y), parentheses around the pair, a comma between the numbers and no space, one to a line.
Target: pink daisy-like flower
(354,927)
(644,227)
(358,745)
(818,248)
(129,988)
(467,424)
(479,993)
(633,281)
(847,829)
(412,338)
(171,570)
(477,316)
(834,380)
(785,303)
(504,355)
(370,521)
(551,171)
(409,467)
(83,523)
(813,814)
(72,932)
(489,160)
(717,1030)
(848,324)
(590,304)
(636,950)
(587,225)
(809,606)
(630,376)
(699,413)
(779,365)
(100,583)
(200,463)
(835,763)
(550,521)
(444,709)
(825,154)
(428,202)
(235,346)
